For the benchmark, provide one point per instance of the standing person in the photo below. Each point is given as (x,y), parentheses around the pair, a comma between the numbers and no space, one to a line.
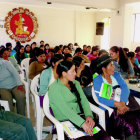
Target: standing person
(11,87)
(20,55)
(38,64)
(137,51)
(121,62)
(67,101)
(48,76)
(123,122)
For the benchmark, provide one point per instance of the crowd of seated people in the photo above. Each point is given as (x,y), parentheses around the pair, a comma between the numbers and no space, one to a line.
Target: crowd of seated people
(70,69)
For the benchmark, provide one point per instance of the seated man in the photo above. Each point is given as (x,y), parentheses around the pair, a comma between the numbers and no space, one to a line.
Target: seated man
(11,87)
(15,127)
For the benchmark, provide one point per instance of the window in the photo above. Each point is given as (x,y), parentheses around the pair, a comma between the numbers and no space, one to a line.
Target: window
(136,28)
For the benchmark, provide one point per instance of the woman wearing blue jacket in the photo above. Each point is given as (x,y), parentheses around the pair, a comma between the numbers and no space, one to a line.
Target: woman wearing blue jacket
(123,122)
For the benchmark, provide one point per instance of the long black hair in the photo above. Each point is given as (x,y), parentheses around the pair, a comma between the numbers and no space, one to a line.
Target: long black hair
(65,66)
(123,59)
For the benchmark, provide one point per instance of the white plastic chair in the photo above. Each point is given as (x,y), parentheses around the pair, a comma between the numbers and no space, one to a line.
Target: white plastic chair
(110,110)
(58,125)
(39,110)
(27,93)
(25,68)
(5,104)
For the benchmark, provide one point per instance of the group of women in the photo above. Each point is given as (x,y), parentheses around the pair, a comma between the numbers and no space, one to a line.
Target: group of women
(65,81)
(68,101)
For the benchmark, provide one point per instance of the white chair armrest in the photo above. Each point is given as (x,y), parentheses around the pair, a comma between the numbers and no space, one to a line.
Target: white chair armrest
(110,110)
(59,127)
(137,99)
(100,113)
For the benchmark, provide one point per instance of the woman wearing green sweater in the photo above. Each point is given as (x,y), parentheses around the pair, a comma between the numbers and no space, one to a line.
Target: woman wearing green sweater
(67,101)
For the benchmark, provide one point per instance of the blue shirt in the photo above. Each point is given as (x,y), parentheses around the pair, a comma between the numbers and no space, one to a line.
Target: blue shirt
(9,77)
(97,83)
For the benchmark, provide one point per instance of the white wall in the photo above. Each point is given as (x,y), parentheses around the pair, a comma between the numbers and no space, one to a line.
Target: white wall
(116,28)
(55,26)
(130,9)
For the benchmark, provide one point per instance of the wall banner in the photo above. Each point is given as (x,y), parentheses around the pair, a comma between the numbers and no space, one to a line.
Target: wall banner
(21,25)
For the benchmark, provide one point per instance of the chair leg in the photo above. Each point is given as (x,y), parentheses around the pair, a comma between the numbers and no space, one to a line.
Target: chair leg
(27,102)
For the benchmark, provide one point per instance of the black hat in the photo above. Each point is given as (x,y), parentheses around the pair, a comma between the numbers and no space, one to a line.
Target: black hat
(104,59)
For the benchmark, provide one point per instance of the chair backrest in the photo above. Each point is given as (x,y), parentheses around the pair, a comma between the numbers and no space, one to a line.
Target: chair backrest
(25,63)
(25,67)
(110,110)
(5,105)
(59,127)
(35,88)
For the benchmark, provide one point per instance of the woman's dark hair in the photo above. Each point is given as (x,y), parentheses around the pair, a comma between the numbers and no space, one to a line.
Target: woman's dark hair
(67,55)
(56,49)
(65,66)
(56,58)
(94,48)
(126,50)
(102,51)
(137,49)
(77,60)
(17,47)
(19,55)
(78,50)
(131,54)
(8,44)
(39,52)
(26,47)
(123,59)
(102,62)
(2,51)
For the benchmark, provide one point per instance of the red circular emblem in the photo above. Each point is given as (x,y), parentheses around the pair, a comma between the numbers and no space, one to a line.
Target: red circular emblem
(21,25)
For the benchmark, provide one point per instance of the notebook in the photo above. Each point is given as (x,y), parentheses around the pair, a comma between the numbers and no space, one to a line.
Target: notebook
(73,132)
(106,91)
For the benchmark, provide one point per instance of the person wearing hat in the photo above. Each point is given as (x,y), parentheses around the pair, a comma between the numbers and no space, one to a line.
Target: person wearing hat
(119,125)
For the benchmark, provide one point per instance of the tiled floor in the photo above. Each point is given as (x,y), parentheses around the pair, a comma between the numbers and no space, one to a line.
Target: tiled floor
(33,120)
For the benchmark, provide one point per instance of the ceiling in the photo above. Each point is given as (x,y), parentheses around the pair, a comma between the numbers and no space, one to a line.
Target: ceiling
(86,5)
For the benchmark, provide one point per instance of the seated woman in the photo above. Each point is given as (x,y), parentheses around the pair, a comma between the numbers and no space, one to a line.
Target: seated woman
(123,123)
(5,55)
(137,51)
(15,127)
(94,53)
(83,75)
(20,55)
(67,101)
(131,56)
(27,50)
(121,62)
(38,65)
(48,76)
(11,87)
